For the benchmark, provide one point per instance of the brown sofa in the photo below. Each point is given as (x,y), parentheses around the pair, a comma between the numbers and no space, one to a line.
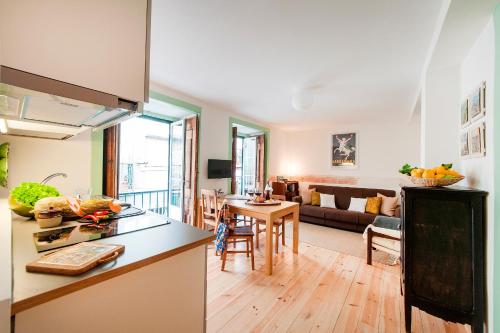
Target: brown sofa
(340,217)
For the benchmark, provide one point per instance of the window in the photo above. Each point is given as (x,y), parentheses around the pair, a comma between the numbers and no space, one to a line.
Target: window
(246,155)
(144,163)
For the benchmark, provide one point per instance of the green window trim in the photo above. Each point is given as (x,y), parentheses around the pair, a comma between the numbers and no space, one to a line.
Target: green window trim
(267,138)
(97,139)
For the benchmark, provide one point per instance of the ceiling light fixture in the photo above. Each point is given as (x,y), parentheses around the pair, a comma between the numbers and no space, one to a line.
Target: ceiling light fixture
(302,100)
(3,126)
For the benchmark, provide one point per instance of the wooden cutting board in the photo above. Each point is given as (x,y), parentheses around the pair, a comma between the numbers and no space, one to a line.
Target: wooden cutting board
(76,259)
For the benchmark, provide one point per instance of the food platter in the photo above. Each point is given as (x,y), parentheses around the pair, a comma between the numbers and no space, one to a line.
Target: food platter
(265,203)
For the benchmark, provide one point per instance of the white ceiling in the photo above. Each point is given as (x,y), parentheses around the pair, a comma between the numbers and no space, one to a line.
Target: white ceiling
(362,58)
(465,20)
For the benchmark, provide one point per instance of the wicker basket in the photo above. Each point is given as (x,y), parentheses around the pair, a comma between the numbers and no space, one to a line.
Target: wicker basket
(434,182)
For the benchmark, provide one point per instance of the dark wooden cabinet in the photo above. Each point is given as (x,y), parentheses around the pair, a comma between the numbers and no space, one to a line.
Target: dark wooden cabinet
(442,250)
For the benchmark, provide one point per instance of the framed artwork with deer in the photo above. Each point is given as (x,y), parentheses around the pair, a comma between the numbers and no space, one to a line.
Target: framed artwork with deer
(344,150)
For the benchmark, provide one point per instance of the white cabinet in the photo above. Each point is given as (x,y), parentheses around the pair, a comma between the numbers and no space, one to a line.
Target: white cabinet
(98,44)
(166,296)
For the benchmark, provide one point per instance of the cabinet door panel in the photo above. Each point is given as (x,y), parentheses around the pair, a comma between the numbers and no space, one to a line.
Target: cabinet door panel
(95,44)
(442,252)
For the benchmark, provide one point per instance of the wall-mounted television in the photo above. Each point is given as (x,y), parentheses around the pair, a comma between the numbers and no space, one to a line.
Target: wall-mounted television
(218,169)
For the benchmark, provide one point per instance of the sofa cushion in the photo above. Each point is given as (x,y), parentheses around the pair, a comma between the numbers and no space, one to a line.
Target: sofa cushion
(323,188)
(314,211)
(389,205)
(373,205)
(343,196)
(366,218)
(327,200)
(341,215)
(372,192)
(315,198)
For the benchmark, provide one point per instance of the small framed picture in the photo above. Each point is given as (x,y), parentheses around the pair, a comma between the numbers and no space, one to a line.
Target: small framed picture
(464,113)
(477,137)
(477,103)
(464,144)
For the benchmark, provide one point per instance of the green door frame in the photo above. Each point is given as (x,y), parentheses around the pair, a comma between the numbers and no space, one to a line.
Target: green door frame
(267,137)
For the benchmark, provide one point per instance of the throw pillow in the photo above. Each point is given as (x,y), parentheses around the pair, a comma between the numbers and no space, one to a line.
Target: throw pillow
(327,200)
(315,198)
(357,205)
(389,205)
(306,195)
(373,205)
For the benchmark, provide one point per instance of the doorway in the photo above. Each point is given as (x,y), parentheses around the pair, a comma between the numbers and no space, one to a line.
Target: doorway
(249,159)
(246,164)
(151,161)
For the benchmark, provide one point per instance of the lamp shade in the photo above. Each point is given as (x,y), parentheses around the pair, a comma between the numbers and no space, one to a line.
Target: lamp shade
(302,100)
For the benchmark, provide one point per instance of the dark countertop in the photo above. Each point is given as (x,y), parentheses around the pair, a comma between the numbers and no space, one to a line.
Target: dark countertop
(142,248)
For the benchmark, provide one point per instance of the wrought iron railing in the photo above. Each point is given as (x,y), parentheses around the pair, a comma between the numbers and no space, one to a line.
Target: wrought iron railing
(155,201)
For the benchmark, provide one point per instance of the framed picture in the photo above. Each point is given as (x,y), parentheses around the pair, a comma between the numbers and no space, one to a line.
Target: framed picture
(344,150)
(477,104)
(477,141)
(464,144)
(464,113)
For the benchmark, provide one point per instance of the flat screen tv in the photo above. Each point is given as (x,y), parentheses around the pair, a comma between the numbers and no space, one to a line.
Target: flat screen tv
(218,169)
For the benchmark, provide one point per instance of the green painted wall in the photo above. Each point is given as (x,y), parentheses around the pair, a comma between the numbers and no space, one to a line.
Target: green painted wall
(494,323)
(267,139)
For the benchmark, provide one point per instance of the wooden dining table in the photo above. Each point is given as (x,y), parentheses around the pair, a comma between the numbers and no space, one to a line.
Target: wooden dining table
(269,214)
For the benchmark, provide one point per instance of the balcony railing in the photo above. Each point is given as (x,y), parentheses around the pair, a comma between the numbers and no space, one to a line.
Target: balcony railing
(155,201)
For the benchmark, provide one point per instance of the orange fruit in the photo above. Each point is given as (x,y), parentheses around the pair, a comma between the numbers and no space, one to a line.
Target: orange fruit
(429,173)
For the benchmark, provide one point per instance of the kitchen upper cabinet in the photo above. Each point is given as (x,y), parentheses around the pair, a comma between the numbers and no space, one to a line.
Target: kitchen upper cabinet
(98,44)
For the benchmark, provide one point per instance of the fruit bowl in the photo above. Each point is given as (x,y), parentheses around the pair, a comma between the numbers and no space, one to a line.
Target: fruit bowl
(434,182)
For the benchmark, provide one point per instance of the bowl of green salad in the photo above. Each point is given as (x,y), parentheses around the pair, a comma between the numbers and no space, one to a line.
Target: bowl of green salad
(22,198)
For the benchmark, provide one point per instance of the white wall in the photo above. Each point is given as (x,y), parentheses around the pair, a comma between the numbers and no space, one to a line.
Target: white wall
(34,159)
(445,89)
(214,135)
(439,117)
(478,66)
(382,149)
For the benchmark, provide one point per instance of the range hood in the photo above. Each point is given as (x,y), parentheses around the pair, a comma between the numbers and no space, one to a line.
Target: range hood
(35,106)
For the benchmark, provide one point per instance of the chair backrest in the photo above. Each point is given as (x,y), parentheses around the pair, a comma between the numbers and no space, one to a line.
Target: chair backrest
(279,188)
(209,206)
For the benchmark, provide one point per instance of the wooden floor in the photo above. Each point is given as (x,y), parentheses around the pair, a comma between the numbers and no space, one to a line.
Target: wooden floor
(318,290)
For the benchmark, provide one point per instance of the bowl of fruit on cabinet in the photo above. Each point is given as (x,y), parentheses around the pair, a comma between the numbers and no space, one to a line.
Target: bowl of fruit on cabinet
(442,175)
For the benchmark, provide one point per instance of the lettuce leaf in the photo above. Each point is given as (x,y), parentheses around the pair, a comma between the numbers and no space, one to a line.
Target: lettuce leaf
(29,193)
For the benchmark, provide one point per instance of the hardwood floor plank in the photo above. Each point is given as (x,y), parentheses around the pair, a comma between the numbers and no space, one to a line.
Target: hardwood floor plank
(390,319)
(267,288)
(318,290)
(323,307)
(289,304)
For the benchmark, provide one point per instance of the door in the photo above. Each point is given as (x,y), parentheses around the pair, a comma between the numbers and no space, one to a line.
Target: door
(177,174)
(190,170)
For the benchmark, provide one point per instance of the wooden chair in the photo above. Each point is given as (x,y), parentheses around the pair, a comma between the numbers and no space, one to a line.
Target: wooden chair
(277,224)
(237,234)
(209,209)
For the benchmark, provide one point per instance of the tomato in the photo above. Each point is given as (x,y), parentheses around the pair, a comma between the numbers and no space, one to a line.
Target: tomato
(101,213)
(95,219)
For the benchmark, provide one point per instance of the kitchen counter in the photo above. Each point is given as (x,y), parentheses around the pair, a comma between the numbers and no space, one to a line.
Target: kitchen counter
(142,248)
